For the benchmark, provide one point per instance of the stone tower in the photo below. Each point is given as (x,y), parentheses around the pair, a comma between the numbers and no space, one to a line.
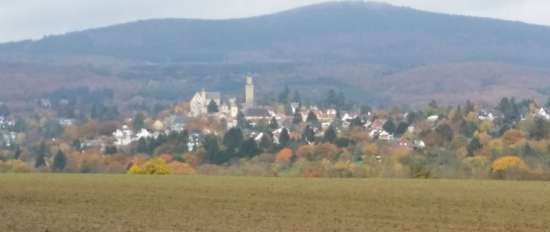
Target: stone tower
(249,92)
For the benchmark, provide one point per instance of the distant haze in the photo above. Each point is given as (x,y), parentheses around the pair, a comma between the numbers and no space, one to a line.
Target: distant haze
(33,19)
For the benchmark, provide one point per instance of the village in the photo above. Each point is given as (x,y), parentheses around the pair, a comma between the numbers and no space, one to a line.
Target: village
(217,129)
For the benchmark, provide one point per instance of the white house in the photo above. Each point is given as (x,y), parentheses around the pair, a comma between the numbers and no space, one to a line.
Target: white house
(543,114)
(123,137)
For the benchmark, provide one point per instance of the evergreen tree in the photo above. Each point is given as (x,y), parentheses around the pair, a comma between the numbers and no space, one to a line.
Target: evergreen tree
(273,124)
(41,154)
(59,161)
(20,125)
(509,109)
(249,148)
(389,126)
(266,143)
(110,150)
(308,135)
(182,139)
(365,109)
(469,107)
(142,146)
(445,132)
(331,99)
(312,118)
(330,135)
(356,123)
(241,121)
(77,145)
(296,97)
(40,161)
(473,146)
(17,153)
(212,107)
(457,116)
(402,127)
(4,110)
(412,117)
(539,130)
(212,148)
(139,122)
(233,139)
(284,95)
(284,138)
(468,128)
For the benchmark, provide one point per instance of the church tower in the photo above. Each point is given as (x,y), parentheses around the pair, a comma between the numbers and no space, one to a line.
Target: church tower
(249,92)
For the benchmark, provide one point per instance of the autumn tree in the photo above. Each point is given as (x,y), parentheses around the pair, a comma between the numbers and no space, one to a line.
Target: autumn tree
(512,136)
(284,156)
(508,167)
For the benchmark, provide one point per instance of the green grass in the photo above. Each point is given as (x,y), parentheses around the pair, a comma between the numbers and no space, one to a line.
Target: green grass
(174,203)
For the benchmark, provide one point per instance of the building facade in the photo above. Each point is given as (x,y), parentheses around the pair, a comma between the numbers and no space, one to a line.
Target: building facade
(199,102)
(249,92)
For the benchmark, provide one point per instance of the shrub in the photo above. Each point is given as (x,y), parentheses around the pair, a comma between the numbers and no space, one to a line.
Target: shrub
(16,166)
(156,167)
(284,156)
(180,168)
(136,170)
(509,167)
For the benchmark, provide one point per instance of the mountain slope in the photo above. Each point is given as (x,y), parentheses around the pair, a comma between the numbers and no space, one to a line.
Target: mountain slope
(331,32)
(374,52)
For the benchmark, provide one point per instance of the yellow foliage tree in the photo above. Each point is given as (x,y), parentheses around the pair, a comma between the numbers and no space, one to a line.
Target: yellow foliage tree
(507,165)
(136,170)
(156,166)
(369,149)
(475,166)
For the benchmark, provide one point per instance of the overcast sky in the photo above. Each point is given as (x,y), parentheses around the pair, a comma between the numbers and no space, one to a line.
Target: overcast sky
(26,19)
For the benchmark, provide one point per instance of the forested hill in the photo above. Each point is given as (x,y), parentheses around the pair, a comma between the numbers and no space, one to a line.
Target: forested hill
(343,32)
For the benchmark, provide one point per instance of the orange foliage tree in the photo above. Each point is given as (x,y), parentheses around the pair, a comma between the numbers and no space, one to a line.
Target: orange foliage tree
(284,156)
